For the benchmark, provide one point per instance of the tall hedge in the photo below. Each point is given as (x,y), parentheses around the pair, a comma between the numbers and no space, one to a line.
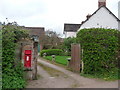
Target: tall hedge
(100,47)
(12,74)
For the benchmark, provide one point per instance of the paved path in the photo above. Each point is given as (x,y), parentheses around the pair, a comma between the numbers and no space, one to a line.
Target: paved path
(74,80)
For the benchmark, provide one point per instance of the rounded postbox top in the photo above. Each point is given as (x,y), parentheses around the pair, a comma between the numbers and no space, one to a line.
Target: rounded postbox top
(28,51)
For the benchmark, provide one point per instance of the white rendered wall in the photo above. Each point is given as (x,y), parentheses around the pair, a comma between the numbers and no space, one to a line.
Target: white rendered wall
(70,34)
(102,19)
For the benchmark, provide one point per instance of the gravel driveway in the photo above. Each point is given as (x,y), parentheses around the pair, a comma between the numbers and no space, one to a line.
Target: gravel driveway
(59,77)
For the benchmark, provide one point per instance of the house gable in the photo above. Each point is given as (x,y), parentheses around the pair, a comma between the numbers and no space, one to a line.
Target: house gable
(71,29)
(101,18)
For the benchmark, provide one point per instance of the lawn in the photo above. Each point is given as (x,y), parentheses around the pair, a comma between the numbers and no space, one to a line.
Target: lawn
(59,59)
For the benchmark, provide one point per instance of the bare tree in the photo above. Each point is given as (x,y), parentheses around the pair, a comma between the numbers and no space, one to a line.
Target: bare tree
(51,40)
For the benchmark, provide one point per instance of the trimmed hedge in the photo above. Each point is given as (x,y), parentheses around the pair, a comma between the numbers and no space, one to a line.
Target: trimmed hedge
(51,52)
(100,48)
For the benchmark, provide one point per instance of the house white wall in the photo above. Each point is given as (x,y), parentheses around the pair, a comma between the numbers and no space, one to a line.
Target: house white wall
(101,19)
(70,34)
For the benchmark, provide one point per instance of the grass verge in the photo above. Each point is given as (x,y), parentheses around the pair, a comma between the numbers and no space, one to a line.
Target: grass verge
(107,76)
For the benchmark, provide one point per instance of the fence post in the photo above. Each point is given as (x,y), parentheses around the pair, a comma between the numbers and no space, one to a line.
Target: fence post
(75,57)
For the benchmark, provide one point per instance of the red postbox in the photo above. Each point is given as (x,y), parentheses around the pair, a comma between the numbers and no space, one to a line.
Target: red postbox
(27,58)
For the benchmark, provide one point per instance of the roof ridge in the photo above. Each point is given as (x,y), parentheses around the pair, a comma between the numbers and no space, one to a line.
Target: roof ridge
(97,11)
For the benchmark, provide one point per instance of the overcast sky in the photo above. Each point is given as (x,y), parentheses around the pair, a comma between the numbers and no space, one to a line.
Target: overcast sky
(51,14)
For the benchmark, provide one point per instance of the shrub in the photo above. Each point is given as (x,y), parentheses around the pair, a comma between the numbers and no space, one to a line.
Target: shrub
(100,47)
(12,74)
(67,45)
(51,52)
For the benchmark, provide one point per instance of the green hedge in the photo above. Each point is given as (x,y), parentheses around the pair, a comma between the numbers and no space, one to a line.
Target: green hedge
(12,74)
(51,52)
(100,48)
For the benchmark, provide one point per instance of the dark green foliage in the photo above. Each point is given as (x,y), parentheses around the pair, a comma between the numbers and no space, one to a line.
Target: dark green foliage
(67,45)
(51,52)
(108,76)
(100,48)
(19,33)
(12,74)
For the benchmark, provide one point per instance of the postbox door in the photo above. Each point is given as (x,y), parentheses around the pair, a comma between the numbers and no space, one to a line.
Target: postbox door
(27,59)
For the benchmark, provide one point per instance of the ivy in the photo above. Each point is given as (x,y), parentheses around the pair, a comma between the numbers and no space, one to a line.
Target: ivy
(12,74)
(100,48)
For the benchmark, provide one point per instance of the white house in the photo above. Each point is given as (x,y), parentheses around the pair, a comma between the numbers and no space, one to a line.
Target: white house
(101,18)
(70,30)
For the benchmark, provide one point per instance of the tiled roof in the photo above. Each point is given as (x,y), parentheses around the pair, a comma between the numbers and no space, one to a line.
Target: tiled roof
(71,27)
(36,30)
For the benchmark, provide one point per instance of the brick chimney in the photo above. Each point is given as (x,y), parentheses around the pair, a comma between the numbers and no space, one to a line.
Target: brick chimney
(101,3)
